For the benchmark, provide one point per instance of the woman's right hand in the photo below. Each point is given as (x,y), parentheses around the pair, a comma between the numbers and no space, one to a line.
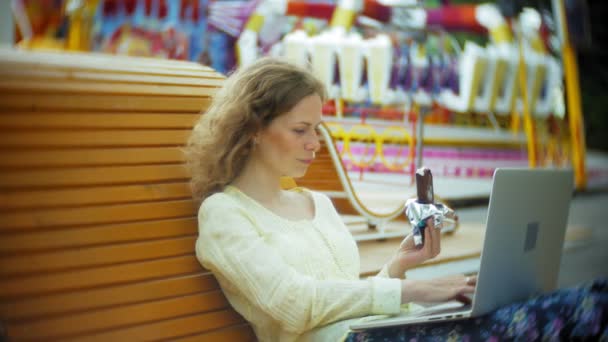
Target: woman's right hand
(438,290)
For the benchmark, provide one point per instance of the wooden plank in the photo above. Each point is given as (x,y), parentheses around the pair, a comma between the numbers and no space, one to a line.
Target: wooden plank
(344,207)
(41,284)
(103,102)
(93,138)
(53,198)
(321,174)
(119,316)
(323,167)
(20,242)
(92,176)
(210,79)
(128,71)
(91,156)
(99,62)
(81,87)
(242,332)
(62,217)
(323,179)
(97,120)
(322,161)
(323,158)
(36,307)
(66,259)
(168,329)
(321,186)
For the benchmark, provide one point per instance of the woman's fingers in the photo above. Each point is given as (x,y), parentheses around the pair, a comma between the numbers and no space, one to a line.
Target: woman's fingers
(436,236)
(431,239)
(471,280)
(427,248)
(430,222)
(463,299)
(438,289)
(408,242)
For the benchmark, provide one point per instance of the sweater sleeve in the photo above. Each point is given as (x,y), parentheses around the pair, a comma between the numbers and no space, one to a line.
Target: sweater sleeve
(231,246)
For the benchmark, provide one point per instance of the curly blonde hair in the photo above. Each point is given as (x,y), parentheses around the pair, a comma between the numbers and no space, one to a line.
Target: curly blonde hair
(221,140)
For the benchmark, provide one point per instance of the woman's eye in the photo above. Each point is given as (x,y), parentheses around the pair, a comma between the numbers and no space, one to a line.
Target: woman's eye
(299,131)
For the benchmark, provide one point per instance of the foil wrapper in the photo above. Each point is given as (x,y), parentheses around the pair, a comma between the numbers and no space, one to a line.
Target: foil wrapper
(417,213)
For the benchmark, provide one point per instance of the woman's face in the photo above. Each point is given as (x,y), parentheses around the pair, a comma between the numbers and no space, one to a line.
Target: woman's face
(288,145)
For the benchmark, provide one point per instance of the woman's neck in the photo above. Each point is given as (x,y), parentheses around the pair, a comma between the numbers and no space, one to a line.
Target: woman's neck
(256,182)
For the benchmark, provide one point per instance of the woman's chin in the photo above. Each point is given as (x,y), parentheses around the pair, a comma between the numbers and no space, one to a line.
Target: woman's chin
(298,173)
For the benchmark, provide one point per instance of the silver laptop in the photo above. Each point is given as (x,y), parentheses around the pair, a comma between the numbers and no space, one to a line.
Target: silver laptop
(526,225)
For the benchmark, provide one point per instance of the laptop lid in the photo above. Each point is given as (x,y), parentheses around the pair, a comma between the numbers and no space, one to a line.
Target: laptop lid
(525,229)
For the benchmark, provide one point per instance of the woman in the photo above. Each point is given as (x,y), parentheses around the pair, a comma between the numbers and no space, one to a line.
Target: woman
(284,259)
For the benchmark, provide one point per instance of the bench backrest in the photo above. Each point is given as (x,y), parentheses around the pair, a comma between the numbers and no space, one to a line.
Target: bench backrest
(97,226)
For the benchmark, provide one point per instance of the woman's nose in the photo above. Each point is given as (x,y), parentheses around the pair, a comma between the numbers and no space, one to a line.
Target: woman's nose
(314,144)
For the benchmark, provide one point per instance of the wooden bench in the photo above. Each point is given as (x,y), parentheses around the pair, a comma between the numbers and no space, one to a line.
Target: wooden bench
(97,226)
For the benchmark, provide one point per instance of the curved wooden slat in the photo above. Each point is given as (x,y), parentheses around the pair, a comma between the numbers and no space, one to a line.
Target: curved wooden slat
(209,79)
(169,329)
(112,318)
(81,157)
(24,242)
(90,138)
(322,174)
(344,206)
(92,176)
(44,199)
(75,87)
(76,301)
(73,60)
(66,259)
(102,102)
(321,185)
(238,333)
(22,221)
(19,287)
(97,120)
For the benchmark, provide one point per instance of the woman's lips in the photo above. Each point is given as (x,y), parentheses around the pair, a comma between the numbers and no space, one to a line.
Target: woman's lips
(306,161)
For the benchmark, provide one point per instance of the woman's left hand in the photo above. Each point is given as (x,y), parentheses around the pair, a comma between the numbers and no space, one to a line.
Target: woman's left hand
(409,255)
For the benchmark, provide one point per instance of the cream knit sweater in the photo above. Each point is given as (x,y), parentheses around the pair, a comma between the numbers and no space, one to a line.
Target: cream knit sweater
(289,279)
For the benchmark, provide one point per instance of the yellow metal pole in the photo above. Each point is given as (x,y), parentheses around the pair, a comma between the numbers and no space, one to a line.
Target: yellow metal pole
(573,96)
(81,16)
(515,121)
(528,121)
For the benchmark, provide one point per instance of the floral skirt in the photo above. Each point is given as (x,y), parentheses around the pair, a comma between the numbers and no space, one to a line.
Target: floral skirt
(579,313)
